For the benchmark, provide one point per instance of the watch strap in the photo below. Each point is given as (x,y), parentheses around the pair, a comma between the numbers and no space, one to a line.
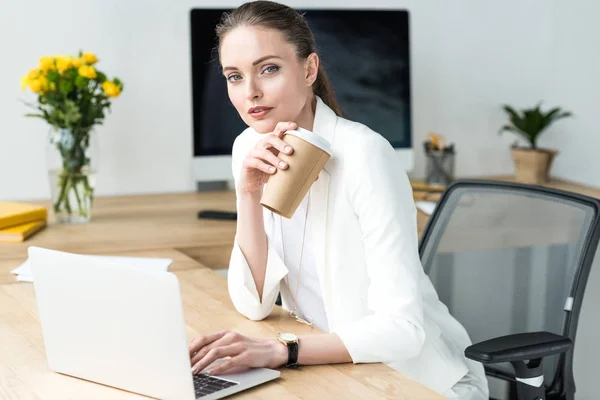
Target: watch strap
(292,354)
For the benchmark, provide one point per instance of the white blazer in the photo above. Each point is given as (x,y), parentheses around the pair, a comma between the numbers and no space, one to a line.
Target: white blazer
(377,298)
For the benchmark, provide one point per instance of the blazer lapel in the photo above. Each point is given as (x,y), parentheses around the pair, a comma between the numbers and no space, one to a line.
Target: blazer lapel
(319,195)
(324,125)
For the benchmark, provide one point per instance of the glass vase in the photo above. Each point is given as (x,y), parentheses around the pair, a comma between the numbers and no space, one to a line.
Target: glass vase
(71,157)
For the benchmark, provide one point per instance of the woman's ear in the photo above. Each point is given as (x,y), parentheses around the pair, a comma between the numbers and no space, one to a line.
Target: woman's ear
(311,68)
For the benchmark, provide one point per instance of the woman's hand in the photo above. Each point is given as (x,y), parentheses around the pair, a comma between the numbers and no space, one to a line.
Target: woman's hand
(262,161)
(240,352)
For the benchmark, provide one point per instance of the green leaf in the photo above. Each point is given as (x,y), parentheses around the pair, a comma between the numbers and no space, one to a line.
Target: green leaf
(53,76)
(119,83)
(565,114)
(511,112)
(81,82)
(65,87)
(35,115)
(515,118)
(100,77)
(71,73)
(508,128)
(52,97)
(28,104)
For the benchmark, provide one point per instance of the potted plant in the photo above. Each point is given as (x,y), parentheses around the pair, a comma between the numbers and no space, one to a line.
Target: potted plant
(72,96)
(532,164)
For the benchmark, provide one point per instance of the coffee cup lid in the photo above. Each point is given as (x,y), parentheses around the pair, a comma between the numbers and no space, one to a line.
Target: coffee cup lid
(312,138)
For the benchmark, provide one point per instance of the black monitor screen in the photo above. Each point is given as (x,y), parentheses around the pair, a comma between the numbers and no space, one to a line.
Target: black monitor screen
(364,52)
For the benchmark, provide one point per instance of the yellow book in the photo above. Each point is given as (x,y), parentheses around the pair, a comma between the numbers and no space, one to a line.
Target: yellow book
(19,233)
(12,214)
(422,186)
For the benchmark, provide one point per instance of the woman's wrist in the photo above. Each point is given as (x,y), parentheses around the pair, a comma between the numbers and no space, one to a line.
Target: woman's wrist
(253,197)
(279,354)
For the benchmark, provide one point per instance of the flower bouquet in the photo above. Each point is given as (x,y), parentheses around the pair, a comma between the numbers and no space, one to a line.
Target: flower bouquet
(72,96)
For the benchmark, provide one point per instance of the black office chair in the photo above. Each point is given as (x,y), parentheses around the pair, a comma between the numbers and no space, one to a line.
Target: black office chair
(511,262)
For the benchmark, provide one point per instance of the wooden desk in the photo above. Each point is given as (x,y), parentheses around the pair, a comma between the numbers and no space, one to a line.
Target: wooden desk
(25,375)
(166,226)
(137,225)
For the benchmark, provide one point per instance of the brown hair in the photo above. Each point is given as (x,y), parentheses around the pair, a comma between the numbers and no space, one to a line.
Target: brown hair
(294,28)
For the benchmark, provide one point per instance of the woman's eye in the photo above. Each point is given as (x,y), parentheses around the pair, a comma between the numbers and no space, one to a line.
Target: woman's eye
(234,78)
(271,69)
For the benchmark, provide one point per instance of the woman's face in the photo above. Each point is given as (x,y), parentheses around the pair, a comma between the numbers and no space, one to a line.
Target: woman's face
(266,82)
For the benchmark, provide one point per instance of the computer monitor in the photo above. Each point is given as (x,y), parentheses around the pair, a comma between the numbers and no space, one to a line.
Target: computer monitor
(366,54)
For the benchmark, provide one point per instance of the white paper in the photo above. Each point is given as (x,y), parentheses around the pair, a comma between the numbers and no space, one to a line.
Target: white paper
(23,271)
(426,206)
(24,278)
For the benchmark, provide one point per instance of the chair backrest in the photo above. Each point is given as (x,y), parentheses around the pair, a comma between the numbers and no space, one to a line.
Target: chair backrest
(510,258)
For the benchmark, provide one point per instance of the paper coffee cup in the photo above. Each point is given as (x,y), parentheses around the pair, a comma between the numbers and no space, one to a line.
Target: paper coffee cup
(285,189)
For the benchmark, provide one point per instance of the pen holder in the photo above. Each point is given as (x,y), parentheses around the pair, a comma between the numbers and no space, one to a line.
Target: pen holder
(439,167)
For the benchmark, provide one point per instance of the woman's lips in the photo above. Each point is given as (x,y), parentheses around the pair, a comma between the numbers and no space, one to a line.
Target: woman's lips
(259,112)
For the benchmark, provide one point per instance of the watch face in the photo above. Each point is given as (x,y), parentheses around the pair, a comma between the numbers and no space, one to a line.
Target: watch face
(288,337)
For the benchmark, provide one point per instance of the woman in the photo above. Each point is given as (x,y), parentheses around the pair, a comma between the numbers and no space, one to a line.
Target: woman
(347,261)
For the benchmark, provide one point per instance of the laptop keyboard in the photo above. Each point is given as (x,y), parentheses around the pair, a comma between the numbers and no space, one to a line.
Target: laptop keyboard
(205,385)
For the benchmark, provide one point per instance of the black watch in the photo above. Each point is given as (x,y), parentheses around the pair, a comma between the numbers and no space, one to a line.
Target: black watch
(291,342)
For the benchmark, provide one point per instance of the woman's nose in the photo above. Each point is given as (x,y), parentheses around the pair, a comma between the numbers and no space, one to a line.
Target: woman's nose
(253,91)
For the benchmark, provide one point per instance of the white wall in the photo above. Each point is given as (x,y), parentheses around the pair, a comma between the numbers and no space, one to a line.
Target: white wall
(575,83)
(468,57)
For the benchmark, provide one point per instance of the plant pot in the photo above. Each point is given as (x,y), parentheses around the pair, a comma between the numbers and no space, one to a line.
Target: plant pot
(71,159)
(532,166)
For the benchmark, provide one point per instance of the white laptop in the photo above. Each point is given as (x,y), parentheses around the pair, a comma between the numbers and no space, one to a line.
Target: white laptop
(122,326)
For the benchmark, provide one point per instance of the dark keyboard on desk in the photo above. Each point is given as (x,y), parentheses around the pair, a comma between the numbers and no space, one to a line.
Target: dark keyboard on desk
(205,385)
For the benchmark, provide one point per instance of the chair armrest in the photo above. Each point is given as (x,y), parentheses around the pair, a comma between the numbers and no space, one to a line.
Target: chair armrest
(518,347)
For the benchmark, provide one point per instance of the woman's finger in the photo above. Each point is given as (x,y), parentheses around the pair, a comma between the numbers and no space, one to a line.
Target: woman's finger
(268,156)
(272,141)
(231,350)
(281,127)
(229,338)
(251,162)
(201,341)
(204,350)
(232,366)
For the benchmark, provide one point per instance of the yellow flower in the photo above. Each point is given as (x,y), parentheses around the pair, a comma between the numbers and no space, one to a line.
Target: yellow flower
(44,84)
(24,82)
(63,63)
(89,58)
(76,62)
(35,85)
(111,89)
(47,63)
(37,81)
(33,74)
(40,85)
(87,71)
